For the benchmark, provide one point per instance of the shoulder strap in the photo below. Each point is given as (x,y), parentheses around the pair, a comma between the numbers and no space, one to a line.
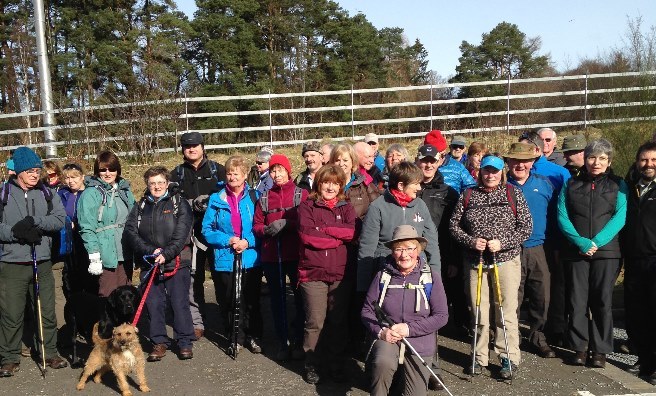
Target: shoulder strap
(142,204)
(298,194)
(511,195)
(426,279)
(47,194)
(253,195)
(4,197)
(179,170)
(467,196)
(385,278)
(103,202)
(213,169)
(264,202)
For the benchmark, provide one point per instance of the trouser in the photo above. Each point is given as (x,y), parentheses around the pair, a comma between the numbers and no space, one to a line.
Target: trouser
(197,287)
(176,288)
(384,358)
(535,284)
(111,278)
(510,274)
(249,309)
(556,325)
(16,283)
(276,282)
(326,311)
(640,309)
(590,283)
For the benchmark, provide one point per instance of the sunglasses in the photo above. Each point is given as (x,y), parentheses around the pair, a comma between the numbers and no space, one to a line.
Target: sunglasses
(372,143)
(52,175)
(260,162)
(101,170)
(547,140)
(72,167)
(457,147)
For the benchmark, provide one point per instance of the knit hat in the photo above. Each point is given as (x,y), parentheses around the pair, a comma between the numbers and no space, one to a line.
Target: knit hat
(436,139)
(25,158)
(311,146)
(279,159)
(10,164)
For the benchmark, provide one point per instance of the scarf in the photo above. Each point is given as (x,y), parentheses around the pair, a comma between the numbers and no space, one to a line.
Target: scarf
(331,202)
(402,198)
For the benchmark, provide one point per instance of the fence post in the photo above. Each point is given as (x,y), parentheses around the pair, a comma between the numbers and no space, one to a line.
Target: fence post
(431,107)
(270,121)
(352,115)
(508,105)
(585,109)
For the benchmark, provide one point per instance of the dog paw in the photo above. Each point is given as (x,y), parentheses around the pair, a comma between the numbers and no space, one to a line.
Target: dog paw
(97,379)
(80,386)
(127,393)
(144,388)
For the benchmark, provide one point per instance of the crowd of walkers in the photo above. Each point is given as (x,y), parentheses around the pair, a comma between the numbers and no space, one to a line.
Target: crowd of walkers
(379,252)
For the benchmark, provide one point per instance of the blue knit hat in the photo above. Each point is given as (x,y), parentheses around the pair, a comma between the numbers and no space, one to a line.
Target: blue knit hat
(25,158)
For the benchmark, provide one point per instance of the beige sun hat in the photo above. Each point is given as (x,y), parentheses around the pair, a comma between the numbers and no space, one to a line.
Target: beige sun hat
(405,233)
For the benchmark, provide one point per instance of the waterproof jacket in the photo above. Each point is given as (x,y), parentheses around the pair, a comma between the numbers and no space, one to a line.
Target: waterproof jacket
(556,174)
(303,181)
(400,305)
(384,215)
(162,226)
(439,197)
(323,234)
(100,235)
(639,235)
(361,196)
(287,238)
(541,199)
(456,175)
(217,230)
(21,204)
(592,210)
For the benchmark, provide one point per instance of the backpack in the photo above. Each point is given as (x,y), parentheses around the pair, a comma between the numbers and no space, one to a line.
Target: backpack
(511,195)
(179,170)
(264,201)
(424,288)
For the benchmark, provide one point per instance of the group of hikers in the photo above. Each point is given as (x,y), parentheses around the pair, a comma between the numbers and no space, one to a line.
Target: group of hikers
(379,251)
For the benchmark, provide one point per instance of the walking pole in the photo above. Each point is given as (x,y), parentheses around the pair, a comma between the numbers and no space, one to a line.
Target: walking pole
(39,317)
(283,294)
(233,349)
(386,321)
(479,283)
(500,302)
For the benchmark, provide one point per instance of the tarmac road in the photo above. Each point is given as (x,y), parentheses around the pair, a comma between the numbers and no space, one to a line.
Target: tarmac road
(212,372)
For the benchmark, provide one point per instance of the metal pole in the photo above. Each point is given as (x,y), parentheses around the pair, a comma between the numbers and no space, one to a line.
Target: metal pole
(352,115)
(508,105)
(585,110)
(270,122)
(44,79)
(431,106)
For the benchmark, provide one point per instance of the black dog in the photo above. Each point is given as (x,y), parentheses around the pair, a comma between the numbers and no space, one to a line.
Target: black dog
(120,307)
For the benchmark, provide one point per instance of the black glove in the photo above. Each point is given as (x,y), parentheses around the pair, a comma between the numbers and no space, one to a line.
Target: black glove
(22,226)
(31,236)
(200,203)
(275,227)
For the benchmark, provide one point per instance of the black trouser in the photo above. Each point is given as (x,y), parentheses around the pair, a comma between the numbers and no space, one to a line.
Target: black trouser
(590,283)
(640,308)
(556,325)
(536,285)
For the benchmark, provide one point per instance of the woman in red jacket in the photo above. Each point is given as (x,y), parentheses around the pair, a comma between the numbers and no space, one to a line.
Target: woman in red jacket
(326,224)
(275,225)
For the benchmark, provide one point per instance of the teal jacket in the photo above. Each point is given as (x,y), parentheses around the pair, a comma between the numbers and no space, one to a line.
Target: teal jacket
(98,227)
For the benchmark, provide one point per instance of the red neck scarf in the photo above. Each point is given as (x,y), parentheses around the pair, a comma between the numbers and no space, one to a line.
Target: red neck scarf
(402,198)
(331,202)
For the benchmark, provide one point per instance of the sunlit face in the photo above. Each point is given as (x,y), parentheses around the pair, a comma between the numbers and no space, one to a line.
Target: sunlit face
(345,162)
(597,164)
(457,151)
(325,153)
(74,180)
(393,158)
(262,166)
(235,178)
(646,164)
(549,139)
(491,177)
(405,255)
(279,174)
(519,170)
(475,160)
(574,158)
(192,152)
(428,166)
(313,160)
(108,175)
(374,146)
(329,190)
(366,158)
(410,189)
(29,178)
(157,186)
(53,178)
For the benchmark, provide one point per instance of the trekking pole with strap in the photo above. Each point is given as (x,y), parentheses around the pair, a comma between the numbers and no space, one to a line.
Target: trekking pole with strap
(39,316)
(479,282)
(500,302)
(233,349)
(152,272)
(385,321)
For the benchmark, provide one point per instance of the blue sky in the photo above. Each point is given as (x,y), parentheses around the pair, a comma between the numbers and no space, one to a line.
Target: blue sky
(570,29)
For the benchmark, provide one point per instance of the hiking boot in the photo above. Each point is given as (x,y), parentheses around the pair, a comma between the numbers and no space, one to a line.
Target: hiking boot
(652,379)
(9,369)
(159,350)
(26,351)
(578,359)
(199,333)
(506,366)
(311,376)
(635,369)
(598,360)
(546,352)
(186,353)
(476,370)
(253,345)
(56,363)
(434,384)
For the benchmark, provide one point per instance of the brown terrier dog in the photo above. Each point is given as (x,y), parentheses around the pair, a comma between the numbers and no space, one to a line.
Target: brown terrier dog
(121,354)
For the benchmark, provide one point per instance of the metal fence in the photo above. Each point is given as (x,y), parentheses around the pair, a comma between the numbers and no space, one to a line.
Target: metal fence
(245,121)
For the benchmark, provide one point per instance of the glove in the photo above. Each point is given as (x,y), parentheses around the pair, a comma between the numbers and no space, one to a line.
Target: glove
(95,264)
(21,227)
(200,203)
(32,236)
(275,227)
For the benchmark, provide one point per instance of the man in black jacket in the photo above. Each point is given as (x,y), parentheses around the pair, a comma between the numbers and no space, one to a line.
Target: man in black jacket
(639,250)
(197,177)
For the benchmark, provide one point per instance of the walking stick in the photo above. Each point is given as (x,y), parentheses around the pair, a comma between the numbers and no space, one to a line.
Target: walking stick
(283,294)
(479,282)
(39,317)
(233,349)
(386,321)
(500,302)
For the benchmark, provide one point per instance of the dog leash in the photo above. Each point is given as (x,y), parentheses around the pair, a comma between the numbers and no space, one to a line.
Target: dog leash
(153,273)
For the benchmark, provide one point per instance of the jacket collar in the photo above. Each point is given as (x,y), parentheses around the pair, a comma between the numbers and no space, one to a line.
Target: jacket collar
(390,197)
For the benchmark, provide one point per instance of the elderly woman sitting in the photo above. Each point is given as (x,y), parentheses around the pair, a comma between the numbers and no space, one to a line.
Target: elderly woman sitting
(417,312)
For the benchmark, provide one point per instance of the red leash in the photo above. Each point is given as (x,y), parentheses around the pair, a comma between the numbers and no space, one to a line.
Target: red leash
(143,298)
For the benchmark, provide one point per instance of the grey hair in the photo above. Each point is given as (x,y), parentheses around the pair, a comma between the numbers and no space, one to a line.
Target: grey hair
(540,130)
(533,137)
(399,148)
(598,147)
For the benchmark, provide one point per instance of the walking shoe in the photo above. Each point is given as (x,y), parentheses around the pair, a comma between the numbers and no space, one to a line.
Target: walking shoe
(9,369)
(598,360)
(253,345)
(434,384)
(652,379)
(185,354)
(546,352)
(159,350)
(310,376)
(578,359)
(56,363)
(25,351)
(635,369)
(505,371)
(476,370)
(199,333)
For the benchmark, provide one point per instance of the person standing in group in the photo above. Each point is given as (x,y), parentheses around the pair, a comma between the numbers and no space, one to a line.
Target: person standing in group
(52,175)
(457,149)
(326,225)
(367,168)
(491,221)
(30,216)
(591,213)
(326,150)
(312,157)
(573,147)
(228,228)
(261,179)
(550,140)
(639,249)
(160,225)
(454,173)
(372,140)
(102,210)
(197,179)
(275,224)
(476,152)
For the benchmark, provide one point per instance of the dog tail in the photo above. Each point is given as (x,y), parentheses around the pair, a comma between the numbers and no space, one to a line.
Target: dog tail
(95,336)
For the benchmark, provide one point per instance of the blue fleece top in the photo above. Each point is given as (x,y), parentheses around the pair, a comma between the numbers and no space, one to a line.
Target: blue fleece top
(456,175)
(539,194)
(379,161)
(556,174)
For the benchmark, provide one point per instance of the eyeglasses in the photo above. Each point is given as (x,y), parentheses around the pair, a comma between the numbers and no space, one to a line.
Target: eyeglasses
(33,171)
(457,147)
(51,175)
(547,140)
(372,143)
(404,250)
(101,170)
(72,166)
(157,183)
(260,162)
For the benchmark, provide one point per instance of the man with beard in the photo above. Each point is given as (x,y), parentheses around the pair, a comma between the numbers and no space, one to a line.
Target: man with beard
(313,158)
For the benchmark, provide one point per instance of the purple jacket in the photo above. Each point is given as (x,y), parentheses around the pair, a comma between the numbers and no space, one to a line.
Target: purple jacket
(399,304)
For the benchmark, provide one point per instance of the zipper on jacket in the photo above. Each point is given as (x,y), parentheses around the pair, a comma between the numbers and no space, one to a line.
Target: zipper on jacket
(592,189)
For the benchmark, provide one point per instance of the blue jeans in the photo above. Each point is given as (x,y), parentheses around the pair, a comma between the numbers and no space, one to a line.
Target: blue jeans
(278,295)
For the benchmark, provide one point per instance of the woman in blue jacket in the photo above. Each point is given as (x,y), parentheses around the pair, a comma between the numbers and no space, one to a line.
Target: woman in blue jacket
(228,229)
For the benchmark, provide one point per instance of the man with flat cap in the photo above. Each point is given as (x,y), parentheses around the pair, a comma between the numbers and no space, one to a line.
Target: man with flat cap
(197,177)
